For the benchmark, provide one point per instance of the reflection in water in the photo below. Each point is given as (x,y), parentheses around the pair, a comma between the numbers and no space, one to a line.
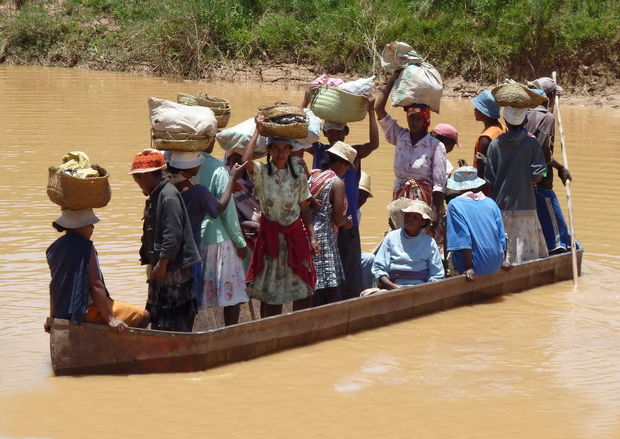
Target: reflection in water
(540,364)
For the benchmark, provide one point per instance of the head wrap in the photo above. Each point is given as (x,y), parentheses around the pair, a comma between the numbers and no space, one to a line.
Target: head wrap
(514,115)
(424,110)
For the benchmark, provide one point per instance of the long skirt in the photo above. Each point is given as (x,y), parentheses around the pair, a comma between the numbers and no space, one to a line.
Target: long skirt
(223,277)
(525,239)
(172,299)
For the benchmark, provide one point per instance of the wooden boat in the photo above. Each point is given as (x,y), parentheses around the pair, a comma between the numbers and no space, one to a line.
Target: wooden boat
(96,349)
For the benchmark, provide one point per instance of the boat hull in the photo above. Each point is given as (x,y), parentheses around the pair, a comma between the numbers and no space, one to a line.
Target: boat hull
(95,349)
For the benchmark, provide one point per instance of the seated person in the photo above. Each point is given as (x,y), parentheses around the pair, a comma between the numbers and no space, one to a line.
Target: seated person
(408,256)
(475,231)
(77,290)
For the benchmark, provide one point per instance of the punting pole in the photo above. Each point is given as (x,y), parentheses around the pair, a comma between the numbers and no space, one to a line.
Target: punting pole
(573,245)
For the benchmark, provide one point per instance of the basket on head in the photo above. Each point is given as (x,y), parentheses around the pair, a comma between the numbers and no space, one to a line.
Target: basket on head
(338,106)
(297,130)
(273,127)
(517,95)
(78,193)
(165,141)
(219,106)
(280,109)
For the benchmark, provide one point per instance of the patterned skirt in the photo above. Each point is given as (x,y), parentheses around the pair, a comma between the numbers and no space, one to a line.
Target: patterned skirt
(526,241)
(172,299)
(223,276)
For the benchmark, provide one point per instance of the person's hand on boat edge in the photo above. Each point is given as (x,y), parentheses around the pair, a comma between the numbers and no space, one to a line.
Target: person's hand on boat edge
(506,266)
(470,275)
(117,325)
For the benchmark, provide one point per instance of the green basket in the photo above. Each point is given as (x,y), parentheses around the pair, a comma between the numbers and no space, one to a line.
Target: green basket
(338,106)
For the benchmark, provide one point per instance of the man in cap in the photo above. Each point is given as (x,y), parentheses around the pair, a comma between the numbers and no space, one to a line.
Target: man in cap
(349,242)
(541,123)
(474,227)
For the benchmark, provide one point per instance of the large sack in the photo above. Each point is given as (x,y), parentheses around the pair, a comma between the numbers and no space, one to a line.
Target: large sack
(359,86)
(238,137)
(397,55)
(418,84)
(315,125)
(178,118)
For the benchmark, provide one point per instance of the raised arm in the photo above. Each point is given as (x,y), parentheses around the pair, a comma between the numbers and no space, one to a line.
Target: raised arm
(364,150)
(235,174)
(383,97)
(249,150)
(310,89)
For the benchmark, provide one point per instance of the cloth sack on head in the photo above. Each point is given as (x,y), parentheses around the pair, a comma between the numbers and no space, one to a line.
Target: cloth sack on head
(397,55)
(418,84)
(314,130)
(359,86)
(238,137)
(178,118)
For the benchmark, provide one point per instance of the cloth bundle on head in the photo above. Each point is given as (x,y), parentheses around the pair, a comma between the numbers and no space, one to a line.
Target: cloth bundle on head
(185,160)
(485,103)
(73,219)
(148,160)
(465,178)
(514,115)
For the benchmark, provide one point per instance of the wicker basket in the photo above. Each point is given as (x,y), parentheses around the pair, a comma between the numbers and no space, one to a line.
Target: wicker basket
(213,102)
(222,120)
(165,141)
(517,95)
(281,109)
(338,106)
(297,130)
(78,193)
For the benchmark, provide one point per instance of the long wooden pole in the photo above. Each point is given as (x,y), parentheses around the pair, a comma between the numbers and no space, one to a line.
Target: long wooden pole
(573,245)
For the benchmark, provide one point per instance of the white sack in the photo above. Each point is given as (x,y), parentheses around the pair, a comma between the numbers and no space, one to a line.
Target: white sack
(418,84)
(359,86)
(397,55)
(238,137)
(178,118)
(314,129)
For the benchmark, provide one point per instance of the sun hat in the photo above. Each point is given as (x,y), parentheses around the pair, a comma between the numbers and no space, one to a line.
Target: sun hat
(395,211)
(465,178)
(514,115)
(334,126)
(186,159)
(447,130)
(418,206)
(148,160)
(343,151)
(365,183)
(73,219)
(485,103)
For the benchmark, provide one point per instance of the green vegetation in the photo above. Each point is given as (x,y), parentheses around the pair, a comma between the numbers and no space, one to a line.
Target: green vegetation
(479,40)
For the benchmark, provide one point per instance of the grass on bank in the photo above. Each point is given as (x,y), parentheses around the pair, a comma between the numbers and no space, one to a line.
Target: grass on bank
(479,40)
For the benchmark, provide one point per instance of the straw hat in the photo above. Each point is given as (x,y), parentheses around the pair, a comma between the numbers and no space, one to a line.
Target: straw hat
(73,219)
(395,211)
(344,151)
(418,206)
(365,183)
(465,178)
(148,160)
(185,159)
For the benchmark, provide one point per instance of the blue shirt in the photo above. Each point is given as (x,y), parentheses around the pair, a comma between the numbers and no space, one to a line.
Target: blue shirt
(476,225)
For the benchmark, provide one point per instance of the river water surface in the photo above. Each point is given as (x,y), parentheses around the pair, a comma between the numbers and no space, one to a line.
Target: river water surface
(539,364)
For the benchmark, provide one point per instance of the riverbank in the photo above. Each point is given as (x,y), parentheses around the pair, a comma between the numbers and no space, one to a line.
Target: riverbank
(294,42)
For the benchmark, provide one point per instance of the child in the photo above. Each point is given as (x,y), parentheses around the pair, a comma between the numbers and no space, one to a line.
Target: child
(409,256)
(486,111)
(167,245)
(328,190)
(281,269)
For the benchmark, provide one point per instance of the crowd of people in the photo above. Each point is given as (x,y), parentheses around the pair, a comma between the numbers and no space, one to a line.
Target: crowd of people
(291,235)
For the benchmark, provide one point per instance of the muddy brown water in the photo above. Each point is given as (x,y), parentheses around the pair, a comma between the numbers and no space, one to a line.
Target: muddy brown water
(540,364)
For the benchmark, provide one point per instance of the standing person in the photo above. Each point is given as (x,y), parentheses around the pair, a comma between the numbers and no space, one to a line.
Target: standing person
(449,136)
(541,123)
(167,245)
(281,269)
(474,227)
(77,290)
(329,191)
(514,163)
(223,247)
(349,242)
(407,256)
(199,201)
(419,159)
(487,111)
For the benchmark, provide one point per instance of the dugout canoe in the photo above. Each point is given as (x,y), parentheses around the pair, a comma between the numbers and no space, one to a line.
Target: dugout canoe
(91,349)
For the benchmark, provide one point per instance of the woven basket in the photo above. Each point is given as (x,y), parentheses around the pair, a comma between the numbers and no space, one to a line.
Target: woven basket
(78,193)
(222,120)
(338,106)
(516,95)
(295,130)
(213,102)
(166,141)
(280,109)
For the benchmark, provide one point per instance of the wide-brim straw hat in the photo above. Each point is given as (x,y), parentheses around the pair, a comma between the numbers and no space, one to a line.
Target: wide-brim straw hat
(418,206)
(465,178)
(395,211)
(344,151)
(147,160)
(73,219)
(186,160)
(365,183)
